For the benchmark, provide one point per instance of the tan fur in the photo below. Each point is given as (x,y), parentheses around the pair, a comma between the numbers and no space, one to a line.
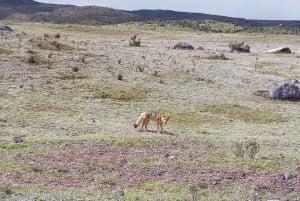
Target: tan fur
(146,117)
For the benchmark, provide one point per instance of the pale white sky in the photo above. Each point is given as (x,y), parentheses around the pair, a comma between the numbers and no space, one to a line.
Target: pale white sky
(250,9)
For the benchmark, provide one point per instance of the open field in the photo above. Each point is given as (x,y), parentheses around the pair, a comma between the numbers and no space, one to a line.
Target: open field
(60,92)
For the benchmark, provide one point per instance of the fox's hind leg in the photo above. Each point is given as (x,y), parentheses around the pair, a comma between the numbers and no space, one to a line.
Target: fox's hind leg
(145,123)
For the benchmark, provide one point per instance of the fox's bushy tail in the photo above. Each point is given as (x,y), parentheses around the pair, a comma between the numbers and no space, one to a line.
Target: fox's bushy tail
(138,122)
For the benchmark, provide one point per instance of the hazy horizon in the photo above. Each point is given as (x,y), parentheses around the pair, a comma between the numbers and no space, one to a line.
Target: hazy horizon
(255,9)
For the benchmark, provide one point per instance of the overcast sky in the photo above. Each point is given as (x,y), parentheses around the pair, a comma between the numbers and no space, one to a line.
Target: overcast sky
(251,9)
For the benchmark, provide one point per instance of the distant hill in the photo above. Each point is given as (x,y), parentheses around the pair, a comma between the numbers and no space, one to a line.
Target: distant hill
(94,15)
(30,10)
(23,9)
(16,3)
(176,15)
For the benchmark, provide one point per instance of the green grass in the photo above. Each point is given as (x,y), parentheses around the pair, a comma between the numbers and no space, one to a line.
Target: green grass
(192,119)
(15,146)
(114,91)
(243,113)
(220,114)
(226,161)
(109,181)
(152,186)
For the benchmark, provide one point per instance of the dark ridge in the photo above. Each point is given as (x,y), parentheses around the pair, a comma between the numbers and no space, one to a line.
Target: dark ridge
(30,10)
(176,15)
(16,3)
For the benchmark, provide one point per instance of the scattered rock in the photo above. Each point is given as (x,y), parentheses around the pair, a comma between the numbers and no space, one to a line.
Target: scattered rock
(17,139)
(183,46)
(200,48)
(280,50)
(287,176)
(286,91)
(155,74)
(219,56)
(173,157)
(120,77)
(239,47)
(140,68)
(75,69)
(4,27)
(80,59)
(32,59)
(120,192)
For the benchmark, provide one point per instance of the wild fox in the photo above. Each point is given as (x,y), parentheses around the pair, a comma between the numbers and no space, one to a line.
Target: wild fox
(145,118)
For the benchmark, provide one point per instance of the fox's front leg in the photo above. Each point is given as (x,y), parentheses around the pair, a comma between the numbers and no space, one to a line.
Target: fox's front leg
(161,128)
(158,127)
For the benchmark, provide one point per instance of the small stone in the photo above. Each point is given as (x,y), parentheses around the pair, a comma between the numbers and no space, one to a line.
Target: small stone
(75,69)
(287,176)
(120,192)
(172,157)
(120,77)
(17,139)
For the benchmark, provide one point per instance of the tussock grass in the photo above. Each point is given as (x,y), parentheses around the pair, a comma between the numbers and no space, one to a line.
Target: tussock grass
(109,181)
(51,45)
(38,60)
(4,51)
(119,92)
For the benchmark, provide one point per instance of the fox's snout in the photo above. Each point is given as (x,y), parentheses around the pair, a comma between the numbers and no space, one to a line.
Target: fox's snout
(134,125)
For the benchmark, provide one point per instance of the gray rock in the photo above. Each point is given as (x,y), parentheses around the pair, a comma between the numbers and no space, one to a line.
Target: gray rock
(239,47)
(183,46)
(286,91)
(120,192)
(4,27)
(287,176)
(281,50)
(17,139)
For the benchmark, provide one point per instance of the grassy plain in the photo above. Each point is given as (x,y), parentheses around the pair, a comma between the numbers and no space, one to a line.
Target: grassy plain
(76,117)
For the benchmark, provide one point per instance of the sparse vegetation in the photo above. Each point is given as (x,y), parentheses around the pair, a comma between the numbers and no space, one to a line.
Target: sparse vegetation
(5,51)
(248,148)
(38,60)
(14,146)
(239,47)
(244,113)
(51,45)
(115,91)
(76,116)
(134,41)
